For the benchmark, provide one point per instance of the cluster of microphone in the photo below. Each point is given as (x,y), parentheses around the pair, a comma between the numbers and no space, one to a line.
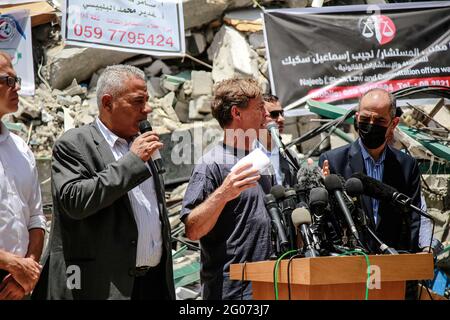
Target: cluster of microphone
(323,216)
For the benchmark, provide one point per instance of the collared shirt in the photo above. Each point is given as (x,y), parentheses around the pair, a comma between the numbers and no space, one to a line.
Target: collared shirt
(20,194)
(374,169)
(426,227)
(144,204)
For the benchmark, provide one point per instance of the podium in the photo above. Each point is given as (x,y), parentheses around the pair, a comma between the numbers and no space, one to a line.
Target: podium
(337,278)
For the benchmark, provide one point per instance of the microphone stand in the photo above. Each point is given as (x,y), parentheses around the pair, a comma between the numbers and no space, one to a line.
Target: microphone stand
(383,247)
(289,158)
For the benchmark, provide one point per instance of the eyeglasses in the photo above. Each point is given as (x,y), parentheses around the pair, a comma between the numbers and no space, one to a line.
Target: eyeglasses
(276,113)
(11,81)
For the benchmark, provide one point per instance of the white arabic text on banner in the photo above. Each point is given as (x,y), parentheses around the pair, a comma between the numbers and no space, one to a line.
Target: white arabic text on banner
(154,27)
(394,47)
(15,39)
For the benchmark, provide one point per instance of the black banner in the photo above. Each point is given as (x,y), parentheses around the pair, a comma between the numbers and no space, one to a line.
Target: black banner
(334,54)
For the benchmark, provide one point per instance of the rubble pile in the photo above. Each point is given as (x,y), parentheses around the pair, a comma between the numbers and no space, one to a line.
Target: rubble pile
(229,45)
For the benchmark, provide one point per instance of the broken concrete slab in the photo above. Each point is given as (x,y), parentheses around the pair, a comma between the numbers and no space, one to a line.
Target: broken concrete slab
(202,83)
(167,103)
(187,87)
(27,108)
(199,107)
(156,68)
(66,64)
(232,56)
(199,12)
(75,89)
(196,43)
(245,20)
(65,100)
(182,111)
(297,3)
(154,87)
(170,85)
(194,114)
(256,40)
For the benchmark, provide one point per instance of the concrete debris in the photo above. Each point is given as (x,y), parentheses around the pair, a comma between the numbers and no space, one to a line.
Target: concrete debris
(94,78)
(182,111)
(256,40)
(66,64)
(156,68)
(139,61)
(167,104)
(248,20)
(202,83)
(46,116)
(75,89)
(200,107)
(297,3)
(154,87)
(65,101)
(27,109)
(187,88)
(232,56)
(170,85)
(200,12)
(196,43)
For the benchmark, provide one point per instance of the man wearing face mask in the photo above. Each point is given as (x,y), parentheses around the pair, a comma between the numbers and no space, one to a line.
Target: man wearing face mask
(376,120)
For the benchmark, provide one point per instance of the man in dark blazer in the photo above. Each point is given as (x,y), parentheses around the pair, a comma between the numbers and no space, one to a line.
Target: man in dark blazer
(110,236)
(372,155)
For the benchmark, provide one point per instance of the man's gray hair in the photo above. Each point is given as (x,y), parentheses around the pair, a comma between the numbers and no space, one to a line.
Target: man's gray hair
(113,78)
(393,100)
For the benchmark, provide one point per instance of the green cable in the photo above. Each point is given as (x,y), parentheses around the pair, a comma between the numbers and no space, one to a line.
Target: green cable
(347,253)
(275,271)
(445,250)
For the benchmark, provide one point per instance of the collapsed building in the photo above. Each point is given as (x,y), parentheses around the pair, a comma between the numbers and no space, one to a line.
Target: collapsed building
(224,39)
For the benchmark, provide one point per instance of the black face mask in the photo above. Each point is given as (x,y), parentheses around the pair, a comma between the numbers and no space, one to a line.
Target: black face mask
(372,135)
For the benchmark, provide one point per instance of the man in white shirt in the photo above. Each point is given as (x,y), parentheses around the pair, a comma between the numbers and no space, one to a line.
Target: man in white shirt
(110,237)
(284,173)
(22,222)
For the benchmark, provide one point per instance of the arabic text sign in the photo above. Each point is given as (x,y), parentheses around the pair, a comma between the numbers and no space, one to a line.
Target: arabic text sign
(15,40)
(395,47)
(144,26)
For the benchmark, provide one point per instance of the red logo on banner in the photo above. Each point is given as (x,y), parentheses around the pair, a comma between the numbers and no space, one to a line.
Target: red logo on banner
(378,26)
(7,28)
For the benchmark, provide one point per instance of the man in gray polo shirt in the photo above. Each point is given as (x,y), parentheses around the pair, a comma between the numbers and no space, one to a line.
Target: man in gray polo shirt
(224,208)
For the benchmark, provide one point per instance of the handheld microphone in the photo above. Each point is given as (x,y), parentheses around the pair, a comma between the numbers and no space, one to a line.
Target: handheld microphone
(354,187)
(301,217)
(381,191)
(278,192)
(333,184)
(145,126)
(274,213)
(286,206)
(275,134)
(318,201)
(289,204)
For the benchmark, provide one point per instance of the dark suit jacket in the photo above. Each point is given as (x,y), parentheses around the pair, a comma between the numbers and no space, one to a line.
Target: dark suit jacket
(396,229)
(289,174)
(93,225)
